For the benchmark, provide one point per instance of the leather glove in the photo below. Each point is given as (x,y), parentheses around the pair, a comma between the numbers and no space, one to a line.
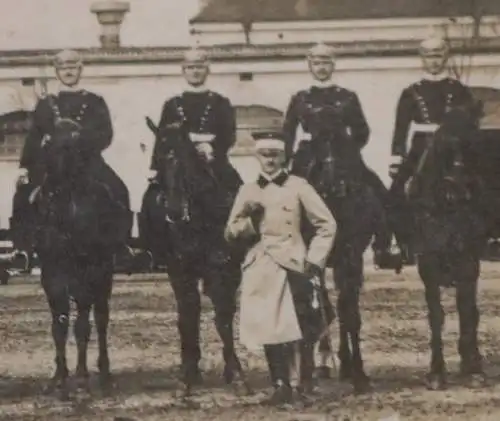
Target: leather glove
(152,177)
(205,150)
(394,170)
(46,139)
(22,177)
(252,209)
(311,270)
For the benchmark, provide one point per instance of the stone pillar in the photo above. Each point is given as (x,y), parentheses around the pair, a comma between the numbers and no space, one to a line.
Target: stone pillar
(110,15)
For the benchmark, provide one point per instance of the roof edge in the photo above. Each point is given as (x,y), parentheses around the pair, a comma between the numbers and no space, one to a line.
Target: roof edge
(233,52)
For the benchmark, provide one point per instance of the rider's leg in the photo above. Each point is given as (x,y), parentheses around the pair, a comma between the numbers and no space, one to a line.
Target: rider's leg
(383,255)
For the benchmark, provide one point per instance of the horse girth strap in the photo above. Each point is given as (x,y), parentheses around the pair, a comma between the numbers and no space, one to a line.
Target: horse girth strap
(423,158)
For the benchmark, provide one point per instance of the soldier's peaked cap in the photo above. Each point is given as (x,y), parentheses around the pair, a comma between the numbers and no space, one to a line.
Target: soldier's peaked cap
(434,44)
(269,140)
(321,50)
(195,55)
(68,57)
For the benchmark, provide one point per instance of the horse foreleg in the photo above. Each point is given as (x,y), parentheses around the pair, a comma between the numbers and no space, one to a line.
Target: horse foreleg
(344,351)
(82,331)
(101,318)
(466,297)
(360,380)
(325,352)
(222,293)
(58,300)
(188,323)
(429,272)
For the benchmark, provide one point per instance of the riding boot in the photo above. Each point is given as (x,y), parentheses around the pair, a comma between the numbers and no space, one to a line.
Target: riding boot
(272,358)
(306,367)
(278,358)
(401,221)
(384,257)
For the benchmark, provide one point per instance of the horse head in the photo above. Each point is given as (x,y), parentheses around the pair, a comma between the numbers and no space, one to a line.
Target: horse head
(63,159)
(172,174)
(335,153)
(452,153)
(69,204)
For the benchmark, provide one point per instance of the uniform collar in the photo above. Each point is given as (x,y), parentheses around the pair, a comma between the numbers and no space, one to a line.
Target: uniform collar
(64,88)
(435,78)
(196,89)
(278,178)
(323,84)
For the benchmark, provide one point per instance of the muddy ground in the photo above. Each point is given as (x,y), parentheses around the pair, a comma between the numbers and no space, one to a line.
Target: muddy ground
(144,352)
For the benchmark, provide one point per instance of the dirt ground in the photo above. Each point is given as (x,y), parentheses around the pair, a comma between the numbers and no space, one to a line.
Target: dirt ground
(144,352)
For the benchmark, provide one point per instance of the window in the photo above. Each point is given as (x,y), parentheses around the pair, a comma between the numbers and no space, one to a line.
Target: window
(14,127)
(253,118)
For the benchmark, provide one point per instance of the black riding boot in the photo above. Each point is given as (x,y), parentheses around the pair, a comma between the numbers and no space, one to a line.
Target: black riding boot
(278,360)
(384,257)
(401,220)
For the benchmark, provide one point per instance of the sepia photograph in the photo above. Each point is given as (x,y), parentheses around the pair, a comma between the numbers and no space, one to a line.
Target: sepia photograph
(235,210)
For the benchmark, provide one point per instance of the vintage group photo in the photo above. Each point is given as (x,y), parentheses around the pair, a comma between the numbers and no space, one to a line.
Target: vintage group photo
(250,210)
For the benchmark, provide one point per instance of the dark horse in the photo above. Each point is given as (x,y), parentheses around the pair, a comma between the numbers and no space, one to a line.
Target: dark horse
(446,194)
(78,226)
(334,166)
(182,221)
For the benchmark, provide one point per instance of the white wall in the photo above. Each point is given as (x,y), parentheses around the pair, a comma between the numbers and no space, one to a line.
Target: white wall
(131,98)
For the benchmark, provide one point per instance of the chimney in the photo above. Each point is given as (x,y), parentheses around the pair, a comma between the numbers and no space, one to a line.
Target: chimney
(110,15)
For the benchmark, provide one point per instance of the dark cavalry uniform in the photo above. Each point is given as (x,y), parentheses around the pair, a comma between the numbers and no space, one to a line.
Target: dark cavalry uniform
(345,107)
(91,112)
(424,102)
(204,112)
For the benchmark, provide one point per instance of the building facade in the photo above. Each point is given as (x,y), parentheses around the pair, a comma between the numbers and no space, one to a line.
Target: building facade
(257,68)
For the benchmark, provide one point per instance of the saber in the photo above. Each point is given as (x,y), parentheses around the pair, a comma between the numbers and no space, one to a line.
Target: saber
(318,301)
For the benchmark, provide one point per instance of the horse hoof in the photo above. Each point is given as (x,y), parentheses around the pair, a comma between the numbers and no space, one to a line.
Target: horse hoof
(476,381)
(323,372)
(186,392)
(82,383)
(345,373)
(106,382)
(301,400)
(362,384)
(191,376)
(436,382)
(63,394)
(241,388)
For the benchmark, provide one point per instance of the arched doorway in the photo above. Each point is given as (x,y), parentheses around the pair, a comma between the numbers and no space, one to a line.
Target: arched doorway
(14,127)
(251,118)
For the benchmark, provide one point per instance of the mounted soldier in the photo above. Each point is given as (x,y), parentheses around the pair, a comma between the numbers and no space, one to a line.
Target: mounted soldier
(207,116)
(312,110)
(89,117)
(420,110)
(193,188)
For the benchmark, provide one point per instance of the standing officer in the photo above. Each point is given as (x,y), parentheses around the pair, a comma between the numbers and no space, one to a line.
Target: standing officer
(344,105)
(208,117)
(90,116)
(421,108)
(277,295)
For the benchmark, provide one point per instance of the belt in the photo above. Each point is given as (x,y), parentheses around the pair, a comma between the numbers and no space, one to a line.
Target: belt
(420,128)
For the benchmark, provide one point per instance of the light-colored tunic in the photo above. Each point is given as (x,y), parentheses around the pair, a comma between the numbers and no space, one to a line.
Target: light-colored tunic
(267,312)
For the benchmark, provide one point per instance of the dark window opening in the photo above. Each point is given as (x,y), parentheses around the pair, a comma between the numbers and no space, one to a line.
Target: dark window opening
(253,118)
(246,77)
(14,127)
